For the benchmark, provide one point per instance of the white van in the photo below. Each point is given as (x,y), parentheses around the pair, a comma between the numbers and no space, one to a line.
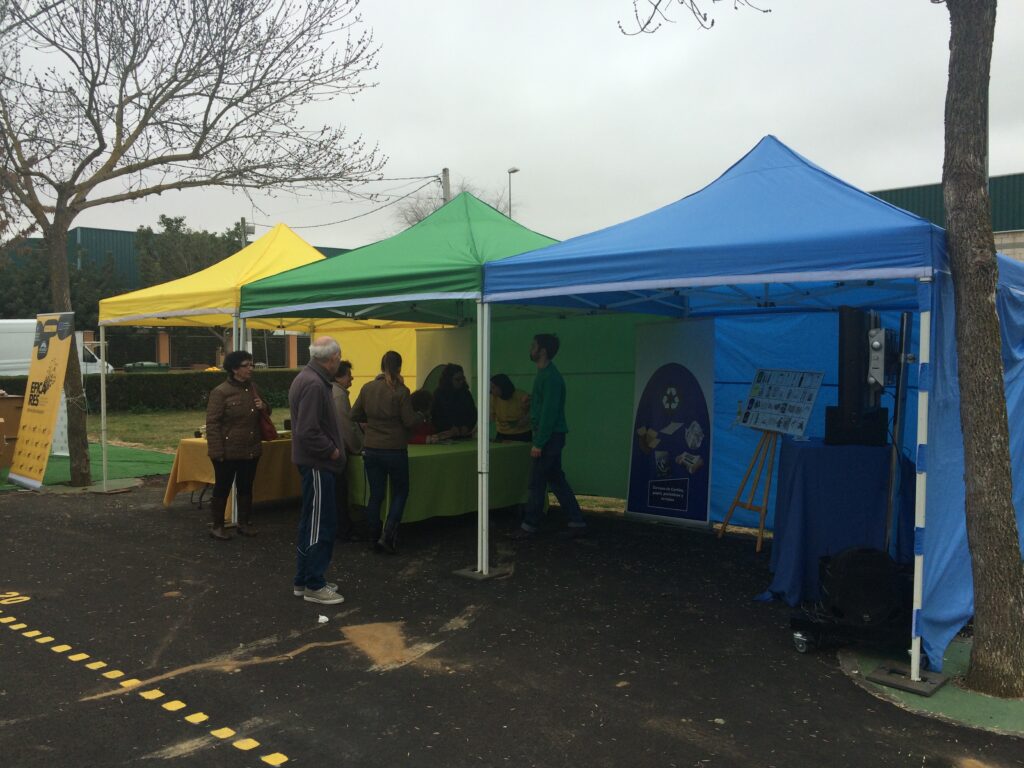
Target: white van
(16,340)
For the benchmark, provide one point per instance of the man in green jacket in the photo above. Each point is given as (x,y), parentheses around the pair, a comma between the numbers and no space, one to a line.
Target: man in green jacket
(547,417)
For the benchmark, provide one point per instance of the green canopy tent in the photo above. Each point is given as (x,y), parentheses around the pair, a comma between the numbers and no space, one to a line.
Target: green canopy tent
(431,272)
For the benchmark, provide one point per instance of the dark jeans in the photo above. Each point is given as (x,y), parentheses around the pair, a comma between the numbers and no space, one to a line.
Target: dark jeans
(241,471)
(316,527)
(380,466)
(519,437)
(544,472)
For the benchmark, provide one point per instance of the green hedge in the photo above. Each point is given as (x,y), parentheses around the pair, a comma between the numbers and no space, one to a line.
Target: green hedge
(173,391)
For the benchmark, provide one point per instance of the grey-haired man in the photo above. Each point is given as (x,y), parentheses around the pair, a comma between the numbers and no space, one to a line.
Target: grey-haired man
(319,452)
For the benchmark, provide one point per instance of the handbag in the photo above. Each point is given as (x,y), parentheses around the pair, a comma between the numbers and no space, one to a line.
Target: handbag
(267,429)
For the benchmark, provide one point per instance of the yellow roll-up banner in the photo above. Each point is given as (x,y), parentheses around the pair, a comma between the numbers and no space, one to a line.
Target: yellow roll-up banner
(45,384)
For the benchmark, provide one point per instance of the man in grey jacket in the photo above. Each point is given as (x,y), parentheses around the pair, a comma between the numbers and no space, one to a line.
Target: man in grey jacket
(319,452)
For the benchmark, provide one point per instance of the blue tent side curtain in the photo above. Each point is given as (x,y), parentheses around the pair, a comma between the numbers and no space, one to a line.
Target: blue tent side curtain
(777,234)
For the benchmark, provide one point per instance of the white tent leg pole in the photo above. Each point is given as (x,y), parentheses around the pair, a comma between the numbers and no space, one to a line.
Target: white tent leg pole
(483,434)
(921,488)
(234,333)
(103,402)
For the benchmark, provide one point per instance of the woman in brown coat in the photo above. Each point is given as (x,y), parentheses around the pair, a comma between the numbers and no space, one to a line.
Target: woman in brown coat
(233,440)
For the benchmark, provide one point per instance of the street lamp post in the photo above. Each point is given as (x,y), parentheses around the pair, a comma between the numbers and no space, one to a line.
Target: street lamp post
(511,170)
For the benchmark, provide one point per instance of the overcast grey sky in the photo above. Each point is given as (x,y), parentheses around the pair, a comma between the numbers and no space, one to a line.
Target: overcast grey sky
(606,127)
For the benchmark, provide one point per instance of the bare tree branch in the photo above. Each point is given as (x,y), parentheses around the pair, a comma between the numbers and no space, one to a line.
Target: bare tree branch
(654,14)
(106,101)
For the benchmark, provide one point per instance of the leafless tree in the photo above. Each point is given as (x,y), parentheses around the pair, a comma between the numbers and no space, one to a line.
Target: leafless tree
(116,100)
(415,209)
(997,656)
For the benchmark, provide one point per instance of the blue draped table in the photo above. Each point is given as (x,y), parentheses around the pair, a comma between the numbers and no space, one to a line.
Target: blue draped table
(831,498)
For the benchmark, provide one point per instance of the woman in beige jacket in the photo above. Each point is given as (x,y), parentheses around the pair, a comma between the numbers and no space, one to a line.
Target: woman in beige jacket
(384,406)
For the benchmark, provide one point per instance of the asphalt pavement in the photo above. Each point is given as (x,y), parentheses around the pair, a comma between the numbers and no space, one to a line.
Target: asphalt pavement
(128,636)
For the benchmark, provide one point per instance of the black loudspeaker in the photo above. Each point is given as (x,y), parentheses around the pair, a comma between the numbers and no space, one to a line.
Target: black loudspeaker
(857,419)
(864,588)
(856,428)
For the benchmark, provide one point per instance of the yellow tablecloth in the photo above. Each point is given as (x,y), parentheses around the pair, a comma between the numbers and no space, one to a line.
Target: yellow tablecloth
(276,477)
(442,478)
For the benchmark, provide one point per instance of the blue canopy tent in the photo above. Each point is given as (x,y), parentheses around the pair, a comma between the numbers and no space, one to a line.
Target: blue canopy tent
(777,235)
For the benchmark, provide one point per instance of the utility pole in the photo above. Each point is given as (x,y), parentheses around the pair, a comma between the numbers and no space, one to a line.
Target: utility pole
(246,230)
(446,186)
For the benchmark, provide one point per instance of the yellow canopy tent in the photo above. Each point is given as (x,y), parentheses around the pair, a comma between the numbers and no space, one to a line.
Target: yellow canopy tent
(211,297)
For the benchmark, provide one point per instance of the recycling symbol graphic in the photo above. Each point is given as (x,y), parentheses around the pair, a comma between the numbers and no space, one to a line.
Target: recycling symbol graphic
(670,400)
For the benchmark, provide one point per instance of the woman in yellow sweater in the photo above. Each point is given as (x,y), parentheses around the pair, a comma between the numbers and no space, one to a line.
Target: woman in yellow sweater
(510,410)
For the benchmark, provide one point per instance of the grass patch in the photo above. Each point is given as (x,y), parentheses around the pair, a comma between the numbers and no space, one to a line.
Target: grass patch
(156,430)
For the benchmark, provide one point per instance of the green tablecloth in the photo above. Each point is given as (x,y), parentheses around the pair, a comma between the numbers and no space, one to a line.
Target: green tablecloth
(442,479)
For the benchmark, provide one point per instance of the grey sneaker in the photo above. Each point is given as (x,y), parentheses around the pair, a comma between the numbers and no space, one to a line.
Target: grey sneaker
(300,591)
(325,596)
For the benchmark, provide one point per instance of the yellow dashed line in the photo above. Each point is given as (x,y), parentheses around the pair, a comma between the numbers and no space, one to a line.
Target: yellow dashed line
(243,744)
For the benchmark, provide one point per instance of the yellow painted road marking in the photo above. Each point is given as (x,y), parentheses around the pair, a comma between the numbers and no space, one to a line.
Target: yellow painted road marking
(244,744)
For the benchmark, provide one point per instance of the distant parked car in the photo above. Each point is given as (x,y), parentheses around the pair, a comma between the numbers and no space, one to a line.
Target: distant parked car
(146,366)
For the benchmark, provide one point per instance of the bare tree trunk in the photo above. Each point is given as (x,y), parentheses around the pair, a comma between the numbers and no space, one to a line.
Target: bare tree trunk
(60,291)
(997,659)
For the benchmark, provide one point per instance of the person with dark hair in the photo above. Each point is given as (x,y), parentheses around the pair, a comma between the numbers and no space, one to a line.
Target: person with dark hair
(385,406)
(425,433)
(547,417)
(233,442)
(318,450)
(453,407)
(510,410)
(352,436)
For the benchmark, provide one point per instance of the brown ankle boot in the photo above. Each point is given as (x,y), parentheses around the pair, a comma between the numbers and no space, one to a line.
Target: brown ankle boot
(217,507)
(245,526)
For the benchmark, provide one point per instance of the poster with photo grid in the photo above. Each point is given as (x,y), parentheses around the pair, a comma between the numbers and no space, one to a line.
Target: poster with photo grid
(781,401)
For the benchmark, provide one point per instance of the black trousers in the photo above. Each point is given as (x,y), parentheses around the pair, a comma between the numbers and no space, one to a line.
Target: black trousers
(241,471)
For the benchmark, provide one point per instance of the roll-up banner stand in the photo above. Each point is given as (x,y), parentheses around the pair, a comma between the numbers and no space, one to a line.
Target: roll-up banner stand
(670,460)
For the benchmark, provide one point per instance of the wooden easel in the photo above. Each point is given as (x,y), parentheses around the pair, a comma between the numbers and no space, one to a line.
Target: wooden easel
(765,450)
